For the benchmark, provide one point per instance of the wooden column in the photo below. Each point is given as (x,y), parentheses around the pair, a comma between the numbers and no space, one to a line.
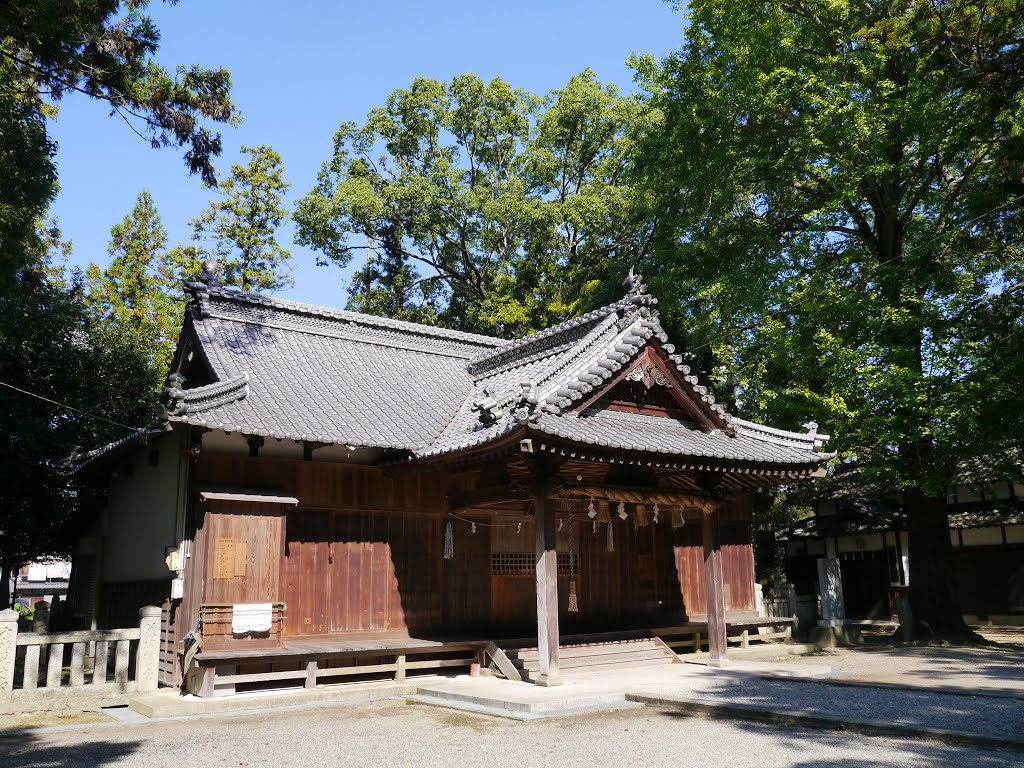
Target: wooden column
(547,579)
(714,581)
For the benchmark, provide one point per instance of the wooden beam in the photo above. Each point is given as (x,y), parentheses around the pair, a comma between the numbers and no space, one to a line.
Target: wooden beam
(547,577)
(482,497)
(714,582)
(502,662)
(639,496)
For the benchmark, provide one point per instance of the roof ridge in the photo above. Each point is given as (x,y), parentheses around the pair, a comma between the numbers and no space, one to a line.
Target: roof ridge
(628,302)
(203,293)
(781,436)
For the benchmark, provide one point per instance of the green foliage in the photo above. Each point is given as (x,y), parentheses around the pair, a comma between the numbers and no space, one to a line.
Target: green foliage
(240,229)
(842,238)
(26,168)
(52,346)
(103,49)
(136,289)
(841,197)
(480,206)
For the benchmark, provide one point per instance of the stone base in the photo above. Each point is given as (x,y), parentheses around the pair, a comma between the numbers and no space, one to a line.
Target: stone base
(547,681)
(835,636)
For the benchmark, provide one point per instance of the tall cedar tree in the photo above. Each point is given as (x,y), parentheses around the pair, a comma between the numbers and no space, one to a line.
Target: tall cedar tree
(481,207)
(52,346)
(103,49)
(134,290)
(839,187)
(239,231)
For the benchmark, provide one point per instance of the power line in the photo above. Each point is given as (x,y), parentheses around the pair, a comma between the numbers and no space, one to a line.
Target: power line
(70,407)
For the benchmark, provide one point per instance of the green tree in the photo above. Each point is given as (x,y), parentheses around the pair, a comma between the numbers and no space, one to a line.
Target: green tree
(839,188)
(134,290)
(240,229)
(69,379)
(500,211)
(103,49)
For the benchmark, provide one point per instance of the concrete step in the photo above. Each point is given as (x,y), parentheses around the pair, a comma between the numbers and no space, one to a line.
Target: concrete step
(517,704)
(493,709)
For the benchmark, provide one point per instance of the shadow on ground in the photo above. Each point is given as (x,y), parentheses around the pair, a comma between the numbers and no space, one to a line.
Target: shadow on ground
(24,749)
(905,751)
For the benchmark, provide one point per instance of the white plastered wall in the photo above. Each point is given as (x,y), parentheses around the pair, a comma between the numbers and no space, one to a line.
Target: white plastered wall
(144,511)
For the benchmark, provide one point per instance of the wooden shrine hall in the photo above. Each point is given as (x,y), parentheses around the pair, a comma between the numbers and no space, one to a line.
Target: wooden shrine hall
(326,493)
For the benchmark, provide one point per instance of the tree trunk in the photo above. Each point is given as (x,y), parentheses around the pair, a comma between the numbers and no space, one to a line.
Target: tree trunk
(934,603)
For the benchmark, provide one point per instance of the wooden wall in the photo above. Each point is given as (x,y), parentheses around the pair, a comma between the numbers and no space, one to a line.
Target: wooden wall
(256,535)
(737,561)
(361,572)
(363,553)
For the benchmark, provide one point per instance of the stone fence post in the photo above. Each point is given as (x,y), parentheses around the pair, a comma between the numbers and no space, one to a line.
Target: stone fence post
(8,649)
(788,593)
(41,616)
(147,661)
(830,580)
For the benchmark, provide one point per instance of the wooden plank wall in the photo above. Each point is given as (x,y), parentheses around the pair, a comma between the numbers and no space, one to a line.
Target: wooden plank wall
(328,485)
(167,673)
(362,572)
(260,528)
(120,601)
(737,560)
(363,553)
(467,594)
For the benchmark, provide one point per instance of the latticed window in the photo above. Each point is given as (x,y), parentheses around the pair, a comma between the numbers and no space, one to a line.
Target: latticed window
(522,564)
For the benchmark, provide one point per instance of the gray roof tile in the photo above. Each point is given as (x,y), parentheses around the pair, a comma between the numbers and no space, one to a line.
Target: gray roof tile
(297,371)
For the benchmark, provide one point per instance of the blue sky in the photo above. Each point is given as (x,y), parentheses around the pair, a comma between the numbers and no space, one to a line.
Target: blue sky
(301,69)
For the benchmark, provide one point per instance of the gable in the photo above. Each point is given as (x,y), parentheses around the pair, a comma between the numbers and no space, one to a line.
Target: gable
(650,385)
(190,360)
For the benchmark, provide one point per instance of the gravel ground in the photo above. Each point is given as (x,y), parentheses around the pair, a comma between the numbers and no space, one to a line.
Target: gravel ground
(986,715)
(397,735)
(976,668)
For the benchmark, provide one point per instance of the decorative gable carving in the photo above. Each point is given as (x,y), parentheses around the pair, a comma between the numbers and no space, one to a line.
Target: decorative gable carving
(651,386)
(649,375)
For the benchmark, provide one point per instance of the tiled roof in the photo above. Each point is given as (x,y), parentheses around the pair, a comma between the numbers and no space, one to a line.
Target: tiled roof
(80,459)
(301,372)
(891,517)
(654,434)
(296,371)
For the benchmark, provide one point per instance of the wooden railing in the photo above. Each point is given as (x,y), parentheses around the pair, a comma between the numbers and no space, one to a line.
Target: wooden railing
(693,638)
(39,668)
(221,673)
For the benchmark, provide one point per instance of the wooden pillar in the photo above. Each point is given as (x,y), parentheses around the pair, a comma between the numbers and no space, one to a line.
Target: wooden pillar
(547,579)
(714,581)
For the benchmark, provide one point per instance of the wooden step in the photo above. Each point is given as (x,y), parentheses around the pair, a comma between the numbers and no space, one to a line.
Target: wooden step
(570,651)
(529,675)
(596,661)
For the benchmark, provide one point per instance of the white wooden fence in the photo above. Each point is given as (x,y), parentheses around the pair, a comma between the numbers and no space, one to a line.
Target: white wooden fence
(53,670)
